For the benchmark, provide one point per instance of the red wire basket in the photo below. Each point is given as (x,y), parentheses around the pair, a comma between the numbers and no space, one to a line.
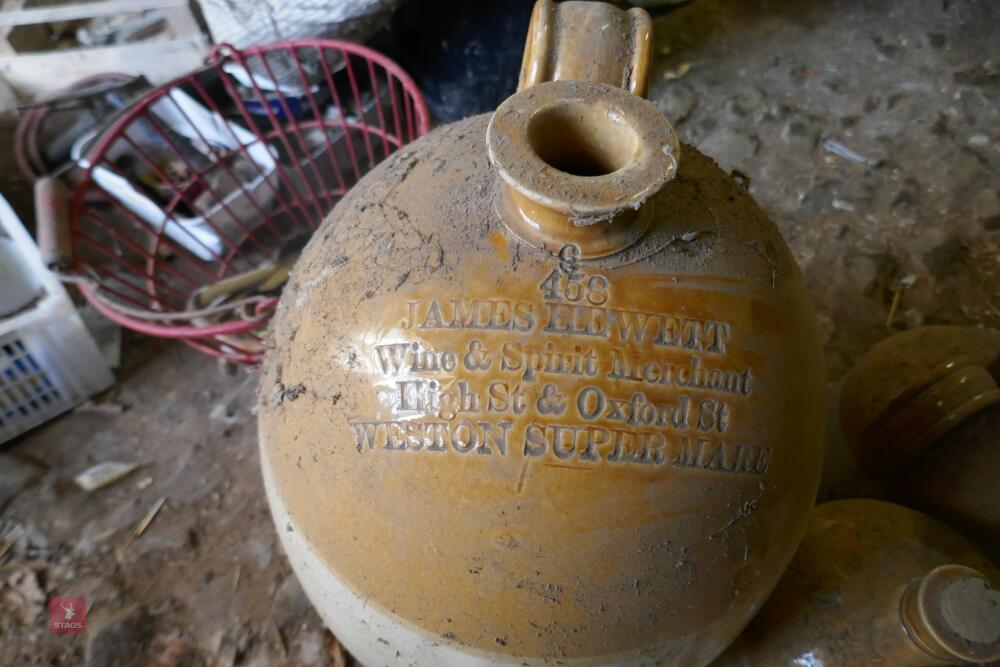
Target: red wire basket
(195,201)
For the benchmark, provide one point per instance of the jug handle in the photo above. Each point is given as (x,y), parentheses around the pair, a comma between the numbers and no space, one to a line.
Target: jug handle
(588,41)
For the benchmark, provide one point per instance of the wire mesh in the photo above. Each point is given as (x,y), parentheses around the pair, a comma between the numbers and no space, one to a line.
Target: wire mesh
(193,192)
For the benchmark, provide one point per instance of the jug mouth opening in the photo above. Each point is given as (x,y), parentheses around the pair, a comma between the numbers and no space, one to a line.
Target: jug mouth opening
(580,139)
(575,154)
(585,149)
(951,613)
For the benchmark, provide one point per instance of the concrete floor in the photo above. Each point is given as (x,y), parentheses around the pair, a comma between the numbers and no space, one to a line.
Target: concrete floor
(912,88)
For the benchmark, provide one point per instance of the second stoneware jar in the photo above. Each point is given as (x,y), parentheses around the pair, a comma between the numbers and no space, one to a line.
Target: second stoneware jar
(546,387)
(921,415)
(875,583)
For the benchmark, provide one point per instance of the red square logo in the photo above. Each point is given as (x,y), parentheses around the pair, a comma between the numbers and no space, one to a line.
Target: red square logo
(67,615)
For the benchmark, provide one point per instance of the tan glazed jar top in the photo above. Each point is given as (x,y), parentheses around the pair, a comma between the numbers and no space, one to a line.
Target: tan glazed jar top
(953,613)
(912,388)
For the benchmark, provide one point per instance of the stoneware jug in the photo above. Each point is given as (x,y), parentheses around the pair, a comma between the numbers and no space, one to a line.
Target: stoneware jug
(920,412)
(875,583)
(545,388)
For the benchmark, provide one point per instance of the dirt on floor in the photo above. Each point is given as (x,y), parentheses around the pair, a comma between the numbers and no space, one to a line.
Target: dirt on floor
(870,134)
(206,582)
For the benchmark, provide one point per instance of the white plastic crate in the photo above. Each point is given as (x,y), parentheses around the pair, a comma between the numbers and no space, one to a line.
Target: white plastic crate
(49,363)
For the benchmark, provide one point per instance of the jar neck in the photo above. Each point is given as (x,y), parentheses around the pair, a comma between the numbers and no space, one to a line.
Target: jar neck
(580,163)
(952,615)
(553,229)
(578,148)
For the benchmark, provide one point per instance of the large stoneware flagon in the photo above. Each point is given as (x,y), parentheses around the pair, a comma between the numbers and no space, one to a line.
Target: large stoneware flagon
(546,386)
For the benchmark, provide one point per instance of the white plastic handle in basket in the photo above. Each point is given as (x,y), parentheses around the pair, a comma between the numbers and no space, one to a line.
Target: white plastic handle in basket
(192,120)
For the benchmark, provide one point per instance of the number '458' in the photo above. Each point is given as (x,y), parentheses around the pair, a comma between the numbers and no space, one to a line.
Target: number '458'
(559,286)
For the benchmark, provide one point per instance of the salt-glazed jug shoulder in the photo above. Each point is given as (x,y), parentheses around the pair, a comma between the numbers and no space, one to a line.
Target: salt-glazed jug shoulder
(545,387)
(874,583)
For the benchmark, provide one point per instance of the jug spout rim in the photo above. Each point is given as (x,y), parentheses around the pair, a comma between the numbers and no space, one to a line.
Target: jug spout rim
(952,614)
(579,160)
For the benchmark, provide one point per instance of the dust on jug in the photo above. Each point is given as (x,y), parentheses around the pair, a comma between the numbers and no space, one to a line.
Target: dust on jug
(546,385)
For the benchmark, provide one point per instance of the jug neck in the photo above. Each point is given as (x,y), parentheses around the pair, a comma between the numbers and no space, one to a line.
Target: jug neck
(579,162)
(579,150)
(952,615)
